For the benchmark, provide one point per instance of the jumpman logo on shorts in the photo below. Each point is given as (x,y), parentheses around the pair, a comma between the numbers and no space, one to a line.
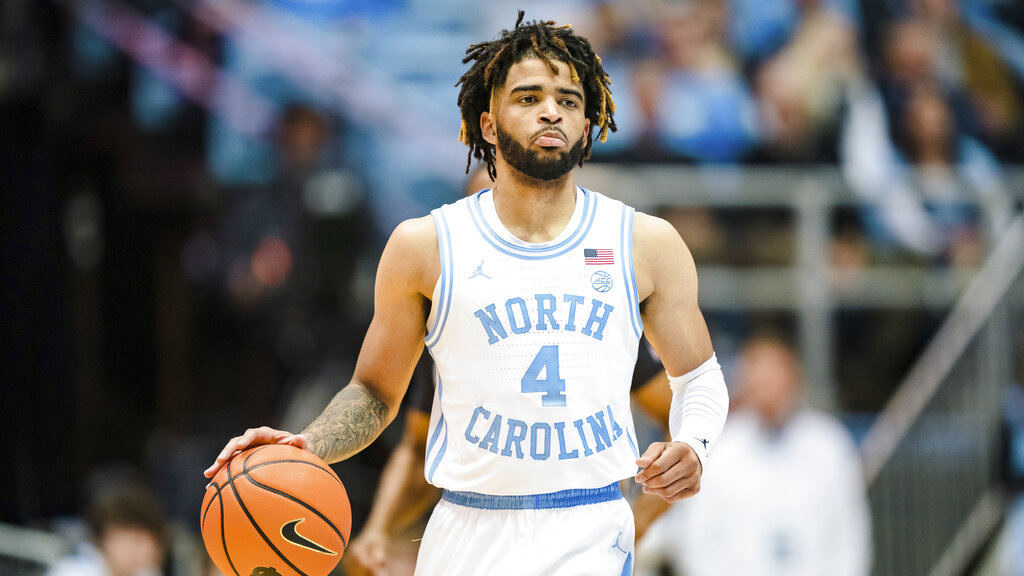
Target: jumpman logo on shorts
(617,545)
(479,272)
(627,565)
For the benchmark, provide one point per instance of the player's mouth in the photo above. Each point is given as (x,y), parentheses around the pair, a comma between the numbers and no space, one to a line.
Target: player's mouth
(550,139)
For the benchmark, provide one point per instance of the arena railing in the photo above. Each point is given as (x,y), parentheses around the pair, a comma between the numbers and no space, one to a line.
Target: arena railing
(26,551)
(804,287)
(931,455)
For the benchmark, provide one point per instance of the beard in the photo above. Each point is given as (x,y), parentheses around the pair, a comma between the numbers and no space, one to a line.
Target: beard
(530,162)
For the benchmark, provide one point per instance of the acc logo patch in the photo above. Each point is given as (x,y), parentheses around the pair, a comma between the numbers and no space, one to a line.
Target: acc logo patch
(601,281)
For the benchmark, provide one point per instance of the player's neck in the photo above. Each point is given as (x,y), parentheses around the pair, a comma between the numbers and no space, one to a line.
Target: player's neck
(534,210)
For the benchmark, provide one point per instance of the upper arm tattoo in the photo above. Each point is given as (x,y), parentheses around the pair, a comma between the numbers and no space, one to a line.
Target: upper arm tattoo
(353,419)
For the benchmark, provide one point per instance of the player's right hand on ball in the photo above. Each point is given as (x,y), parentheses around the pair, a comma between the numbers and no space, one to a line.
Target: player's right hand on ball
(253,437)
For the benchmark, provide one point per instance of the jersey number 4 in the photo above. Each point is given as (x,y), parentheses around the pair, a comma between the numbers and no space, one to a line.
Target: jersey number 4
(542,376)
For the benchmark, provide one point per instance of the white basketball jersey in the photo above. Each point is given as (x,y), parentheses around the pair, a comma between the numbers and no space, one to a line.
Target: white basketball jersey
(534,346)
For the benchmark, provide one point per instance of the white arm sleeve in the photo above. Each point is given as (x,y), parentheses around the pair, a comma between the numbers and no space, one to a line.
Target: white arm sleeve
(700,402)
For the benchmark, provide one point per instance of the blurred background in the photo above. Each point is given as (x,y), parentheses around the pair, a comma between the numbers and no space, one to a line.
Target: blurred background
(195,194)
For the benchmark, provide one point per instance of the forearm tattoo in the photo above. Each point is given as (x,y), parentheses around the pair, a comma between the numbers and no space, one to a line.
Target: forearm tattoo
(353,419)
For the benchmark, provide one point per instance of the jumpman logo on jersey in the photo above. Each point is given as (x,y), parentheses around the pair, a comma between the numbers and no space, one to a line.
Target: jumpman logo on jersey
(479,272)
(703,441)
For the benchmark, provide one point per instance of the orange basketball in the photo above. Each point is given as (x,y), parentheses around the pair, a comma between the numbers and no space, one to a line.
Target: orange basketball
(276,510)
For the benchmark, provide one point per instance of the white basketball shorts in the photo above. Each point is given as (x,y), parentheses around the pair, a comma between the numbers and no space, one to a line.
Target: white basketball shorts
(567,533)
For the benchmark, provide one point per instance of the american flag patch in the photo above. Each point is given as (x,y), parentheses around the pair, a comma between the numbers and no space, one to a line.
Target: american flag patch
(598,256)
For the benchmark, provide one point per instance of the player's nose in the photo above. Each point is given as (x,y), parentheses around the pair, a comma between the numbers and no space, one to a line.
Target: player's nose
(549,111)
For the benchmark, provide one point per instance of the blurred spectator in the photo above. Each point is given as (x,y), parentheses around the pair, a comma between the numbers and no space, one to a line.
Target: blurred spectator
(274,252)
(801,88)
(680,95)
(784,493)
(639,100)
(758,29)
(282,272)
(966,61)
(908,59)
(934,191)
(127,533)
(286,258)
(707,112)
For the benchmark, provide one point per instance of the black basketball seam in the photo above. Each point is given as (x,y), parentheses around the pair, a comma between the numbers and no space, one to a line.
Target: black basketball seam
(231,479)
(216,496)
(246,469)
(252,521)
(325,468)
(297,461)
(303,503)
(223,535)
(202,520)
(245,472)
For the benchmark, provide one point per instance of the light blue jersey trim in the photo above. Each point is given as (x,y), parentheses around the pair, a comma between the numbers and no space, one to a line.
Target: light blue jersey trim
(534,252)
(632,444)
(561,499)
(441,423)
(444,295)
(629,271)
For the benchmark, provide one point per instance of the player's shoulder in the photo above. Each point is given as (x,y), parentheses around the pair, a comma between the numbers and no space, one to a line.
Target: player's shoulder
(660,256)
(413,241)
(415,234)
(415,228)
(652,236)
(412,248)
(646,226)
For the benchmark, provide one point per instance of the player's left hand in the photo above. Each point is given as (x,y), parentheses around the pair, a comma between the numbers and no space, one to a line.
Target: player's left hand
(367,555)
(670,470)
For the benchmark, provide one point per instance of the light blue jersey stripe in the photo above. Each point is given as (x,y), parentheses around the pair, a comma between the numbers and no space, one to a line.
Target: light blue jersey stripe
(438,433)
(629,271)
(441,423)
(444,295)
(632,444)
(535,253)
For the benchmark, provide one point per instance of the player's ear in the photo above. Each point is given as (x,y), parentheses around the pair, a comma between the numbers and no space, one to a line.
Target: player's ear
(488,128)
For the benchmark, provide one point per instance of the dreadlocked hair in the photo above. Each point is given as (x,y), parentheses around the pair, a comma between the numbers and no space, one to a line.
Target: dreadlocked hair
(550,43)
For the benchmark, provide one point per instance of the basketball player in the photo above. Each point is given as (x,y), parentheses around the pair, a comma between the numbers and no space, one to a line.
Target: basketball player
(532,298)
(387,542)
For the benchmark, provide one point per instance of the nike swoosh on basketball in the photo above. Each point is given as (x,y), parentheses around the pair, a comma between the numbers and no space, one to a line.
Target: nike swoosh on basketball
(289,533)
